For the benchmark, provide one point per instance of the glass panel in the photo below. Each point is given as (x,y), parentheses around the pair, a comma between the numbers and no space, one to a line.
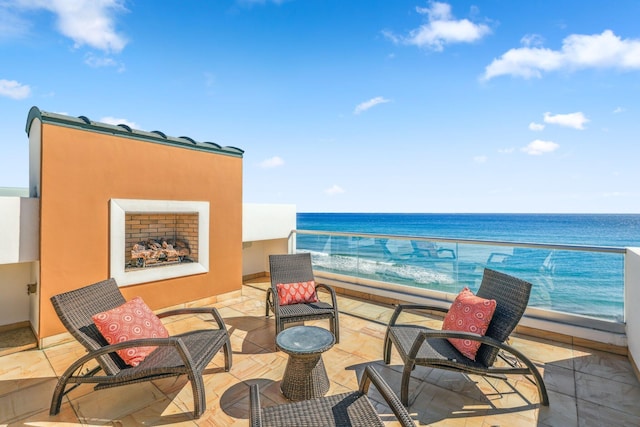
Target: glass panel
(583,282)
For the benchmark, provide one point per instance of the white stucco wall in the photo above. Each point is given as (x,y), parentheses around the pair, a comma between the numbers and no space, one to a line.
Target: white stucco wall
(19,228)
(265,231)
(631,300)
(14,301)
(255,255)
(267,222)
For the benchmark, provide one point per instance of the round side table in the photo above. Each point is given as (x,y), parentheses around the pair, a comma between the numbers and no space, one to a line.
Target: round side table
(305,376)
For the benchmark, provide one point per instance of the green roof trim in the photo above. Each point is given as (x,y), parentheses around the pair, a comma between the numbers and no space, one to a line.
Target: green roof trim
(125,131)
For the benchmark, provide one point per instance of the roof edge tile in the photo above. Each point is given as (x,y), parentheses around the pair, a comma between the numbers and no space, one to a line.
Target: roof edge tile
(125,131)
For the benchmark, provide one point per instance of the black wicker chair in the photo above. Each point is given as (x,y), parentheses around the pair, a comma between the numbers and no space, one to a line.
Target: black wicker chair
(346,409)
(292,268)
(422,346)
(185,354)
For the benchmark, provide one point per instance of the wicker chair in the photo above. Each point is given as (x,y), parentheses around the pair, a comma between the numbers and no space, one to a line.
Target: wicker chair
(422,346)
(292,268)
(346,409)
(185,354)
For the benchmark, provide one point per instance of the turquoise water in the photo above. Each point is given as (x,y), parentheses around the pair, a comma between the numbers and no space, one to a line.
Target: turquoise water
(578,282)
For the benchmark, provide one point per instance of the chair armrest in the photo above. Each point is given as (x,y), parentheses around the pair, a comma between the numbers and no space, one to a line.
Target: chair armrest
(331,291)
(466,336)
(160,342)
(370,375)
(401,307)
(255,415)
(272,301)
(196,310)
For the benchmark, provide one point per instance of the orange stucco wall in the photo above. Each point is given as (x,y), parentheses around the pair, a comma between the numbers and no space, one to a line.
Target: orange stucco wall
(82,170)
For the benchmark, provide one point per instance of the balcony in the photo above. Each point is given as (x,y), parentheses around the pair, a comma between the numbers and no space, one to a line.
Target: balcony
(586,386)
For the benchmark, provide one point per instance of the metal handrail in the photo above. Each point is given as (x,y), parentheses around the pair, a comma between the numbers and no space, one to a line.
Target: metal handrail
(608,249)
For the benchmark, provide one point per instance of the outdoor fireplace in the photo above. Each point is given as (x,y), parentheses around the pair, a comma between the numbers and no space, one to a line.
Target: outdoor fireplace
(158,239)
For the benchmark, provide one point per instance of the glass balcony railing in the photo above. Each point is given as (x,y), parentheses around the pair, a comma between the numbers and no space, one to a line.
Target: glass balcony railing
(574,280)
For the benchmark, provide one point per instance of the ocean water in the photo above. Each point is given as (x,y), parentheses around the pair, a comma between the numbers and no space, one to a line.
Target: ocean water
(578,282)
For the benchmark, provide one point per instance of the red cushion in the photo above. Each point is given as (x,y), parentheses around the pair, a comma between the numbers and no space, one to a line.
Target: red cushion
(468,313)
(296,293)
(132,320)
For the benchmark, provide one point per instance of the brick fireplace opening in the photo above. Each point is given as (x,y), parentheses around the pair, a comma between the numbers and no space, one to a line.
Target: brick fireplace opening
(158,239)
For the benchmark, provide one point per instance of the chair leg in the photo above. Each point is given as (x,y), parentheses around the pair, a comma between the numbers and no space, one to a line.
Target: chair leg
(228,355)
(58,394)
(386,352)
(542,389)
(199,399)
(335,326)
(404,387)
(266,303)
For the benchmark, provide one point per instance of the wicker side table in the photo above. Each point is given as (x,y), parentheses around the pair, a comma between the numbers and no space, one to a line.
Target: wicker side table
(305,376)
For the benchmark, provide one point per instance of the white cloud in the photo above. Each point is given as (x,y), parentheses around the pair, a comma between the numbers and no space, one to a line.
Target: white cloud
(272,162)
(531,40)
(333,190)
(115,121)
(572,120)
(13,89)
(364,106)
(539,147)
(619,110)
(441,29)
(506,150)
(578,51)
(98,62)
(480,159)
(86,22)
(536,126)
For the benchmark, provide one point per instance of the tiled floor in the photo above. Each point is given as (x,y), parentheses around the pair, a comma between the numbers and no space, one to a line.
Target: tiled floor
(586,387)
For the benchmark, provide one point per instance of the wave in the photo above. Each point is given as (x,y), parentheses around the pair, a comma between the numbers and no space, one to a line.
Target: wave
(380,270)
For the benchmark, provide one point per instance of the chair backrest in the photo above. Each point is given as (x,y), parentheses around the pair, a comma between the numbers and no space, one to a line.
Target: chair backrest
(290,268)
(512,296)
(75,308)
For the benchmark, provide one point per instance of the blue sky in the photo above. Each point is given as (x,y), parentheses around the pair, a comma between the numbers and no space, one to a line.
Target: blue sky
(352,106)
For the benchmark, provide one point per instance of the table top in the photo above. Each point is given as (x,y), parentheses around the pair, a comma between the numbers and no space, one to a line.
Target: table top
(305,340)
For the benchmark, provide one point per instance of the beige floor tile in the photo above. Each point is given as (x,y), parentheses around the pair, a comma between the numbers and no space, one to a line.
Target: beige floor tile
(562,411)
(594,415)
(118,402)
(605,385)
(606,365)
(31,397)
(65,418)
(63,355)
(559,379)
(542,351)
(615,395)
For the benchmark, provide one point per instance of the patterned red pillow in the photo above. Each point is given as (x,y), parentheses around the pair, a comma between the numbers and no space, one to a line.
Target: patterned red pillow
(468,313)
(132,320)
(295,293)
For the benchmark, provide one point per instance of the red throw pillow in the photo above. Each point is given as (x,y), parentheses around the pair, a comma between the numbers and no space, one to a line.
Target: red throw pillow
(296,293)
(468,313)
(132,320)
